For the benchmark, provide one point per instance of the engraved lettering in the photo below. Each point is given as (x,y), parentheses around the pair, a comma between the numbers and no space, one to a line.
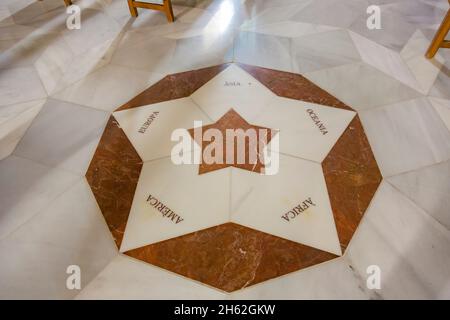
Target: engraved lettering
(297,210)
(148,122)
(164,210)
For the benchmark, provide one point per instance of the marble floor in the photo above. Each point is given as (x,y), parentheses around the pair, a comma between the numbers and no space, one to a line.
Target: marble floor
(363,162)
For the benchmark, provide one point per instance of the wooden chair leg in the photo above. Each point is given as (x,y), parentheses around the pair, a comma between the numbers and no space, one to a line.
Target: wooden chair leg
(439,39)
(168,10)
(133,9)
(68,2)
(166,7)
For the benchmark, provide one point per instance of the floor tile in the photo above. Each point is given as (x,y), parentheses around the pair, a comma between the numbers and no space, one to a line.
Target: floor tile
(139,51)
(424,70)
(330,280)
(126,278)
(23,52)
(385,60)
(55,138)
(361,86)
(306,130)
(394,33)
(323,50)
(150,128)
(26,188)
(210,50)
(442,107)
(289,29)
(295,209)
(264,12)
(429,189)
(20,85)
(401,146)
(442,83)
(96,28)
(59,66)
(407,245)
(14,121)
(332,12)
(162,209)
(263,50)
(235,89)
(96,91)
(69,231)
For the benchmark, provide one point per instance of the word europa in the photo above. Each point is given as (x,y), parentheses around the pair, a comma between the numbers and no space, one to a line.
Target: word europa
(241,147)
(317,122)
(293,213)
(165,211)
(148,122)
(226,310)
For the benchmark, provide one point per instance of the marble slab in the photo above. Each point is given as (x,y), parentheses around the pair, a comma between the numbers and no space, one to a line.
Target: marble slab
(407,244)
(175,86)
(113,175)
(128,279)
(235,89)
(361,86)
(424,70)
(306,130)
(20,85)
(385,60)
(27,187)
(263,50)
(429,189)
(230,257)
(68,231)
(97,91)
(150,128)
(14,121)
(290,29)
(295,210)
(400,146)
(329,280)
(162,209)
(442,107)
(323,50)
(63,135)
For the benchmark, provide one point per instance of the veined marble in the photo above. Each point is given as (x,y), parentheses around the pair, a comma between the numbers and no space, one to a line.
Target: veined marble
(14,121)
(83,75)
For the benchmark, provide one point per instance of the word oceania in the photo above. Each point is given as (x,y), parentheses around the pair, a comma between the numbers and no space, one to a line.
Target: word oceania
(165,211)
(317,121)
(148,122)
(293,213)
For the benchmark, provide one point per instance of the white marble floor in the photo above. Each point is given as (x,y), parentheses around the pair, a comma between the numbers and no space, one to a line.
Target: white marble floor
(58,87)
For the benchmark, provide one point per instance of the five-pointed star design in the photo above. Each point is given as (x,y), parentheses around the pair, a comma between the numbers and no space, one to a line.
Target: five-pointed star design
(232,120)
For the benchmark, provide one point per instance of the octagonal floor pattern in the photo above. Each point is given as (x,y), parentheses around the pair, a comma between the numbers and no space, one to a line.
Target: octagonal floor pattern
(231,226)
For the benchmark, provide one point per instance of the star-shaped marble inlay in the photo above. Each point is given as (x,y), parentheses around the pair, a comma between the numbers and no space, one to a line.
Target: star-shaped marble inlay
(232,142)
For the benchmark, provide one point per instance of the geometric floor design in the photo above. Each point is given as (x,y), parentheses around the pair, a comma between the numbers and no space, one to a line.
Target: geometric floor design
(232,226)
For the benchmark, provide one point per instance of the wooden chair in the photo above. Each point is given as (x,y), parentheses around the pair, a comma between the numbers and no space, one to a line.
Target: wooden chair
(439,39)
(166,7)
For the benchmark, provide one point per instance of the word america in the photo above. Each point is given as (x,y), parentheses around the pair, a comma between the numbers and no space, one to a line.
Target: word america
(293,213)
(165,211)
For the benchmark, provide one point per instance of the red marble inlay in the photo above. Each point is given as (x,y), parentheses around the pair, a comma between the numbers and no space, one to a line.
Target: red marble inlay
(113,175)
(230,256)
(250,152)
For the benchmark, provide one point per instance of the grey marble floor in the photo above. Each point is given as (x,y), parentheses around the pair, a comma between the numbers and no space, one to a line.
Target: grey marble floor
(59,86)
